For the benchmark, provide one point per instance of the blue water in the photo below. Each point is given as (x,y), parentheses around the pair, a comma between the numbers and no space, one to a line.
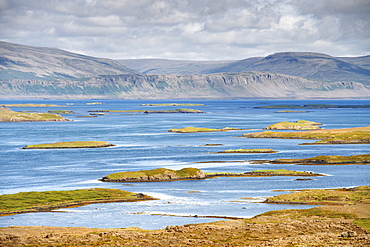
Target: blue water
(143,142)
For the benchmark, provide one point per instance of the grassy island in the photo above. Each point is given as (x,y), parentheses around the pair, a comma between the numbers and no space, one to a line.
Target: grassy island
(163,174)
(358,135)
(196,130)
(173,104)
(180,110)
(26,202)
(267,150)
(362,159)
(75,144)
(61,112)
(8,115)
(298,125)
(320,197)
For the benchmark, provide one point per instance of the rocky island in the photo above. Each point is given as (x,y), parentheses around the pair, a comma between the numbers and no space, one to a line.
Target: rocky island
(163,175)
(357,135)
(8,115)
(298,125)
(74,144)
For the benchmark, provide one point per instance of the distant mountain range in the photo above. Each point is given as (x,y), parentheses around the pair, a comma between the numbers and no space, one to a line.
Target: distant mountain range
(38,72)
(309,65)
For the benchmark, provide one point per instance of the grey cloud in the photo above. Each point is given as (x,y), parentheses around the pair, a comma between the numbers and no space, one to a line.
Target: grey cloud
(186,29)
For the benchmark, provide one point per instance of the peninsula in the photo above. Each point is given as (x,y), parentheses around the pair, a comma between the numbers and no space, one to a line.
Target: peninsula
(163,175)
(357,135)
(333,225)
(8,115)
(362,159)
(74,144)
(28,202)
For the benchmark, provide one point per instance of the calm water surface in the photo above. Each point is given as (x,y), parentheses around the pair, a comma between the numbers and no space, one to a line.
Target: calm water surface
(143,142)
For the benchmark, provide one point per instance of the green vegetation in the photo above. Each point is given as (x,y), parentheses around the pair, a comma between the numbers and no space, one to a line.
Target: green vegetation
(30,105)
(320,197)
(312,106)
(180,110)
(365,223)
(173,104)
(196,130)
(155,175)
(45,201)
(358,135)
(7,115)
(75,144)
(61,112)
(298,125)
(267,150)
(328,159)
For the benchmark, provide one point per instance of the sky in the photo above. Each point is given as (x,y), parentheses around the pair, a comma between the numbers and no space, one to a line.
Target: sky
(189,29)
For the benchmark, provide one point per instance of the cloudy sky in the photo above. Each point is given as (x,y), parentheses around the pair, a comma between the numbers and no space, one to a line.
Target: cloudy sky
(189,29)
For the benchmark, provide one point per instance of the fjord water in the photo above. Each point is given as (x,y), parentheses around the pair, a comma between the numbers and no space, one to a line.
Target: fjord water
(143,142)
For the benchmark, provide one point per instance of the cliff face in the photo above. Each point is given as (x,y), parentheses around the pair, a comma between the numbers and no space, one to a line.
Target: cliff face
(213,86)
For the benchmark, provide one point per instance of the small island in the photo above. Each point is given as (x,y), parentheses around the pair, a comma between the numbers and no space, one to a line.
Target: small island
(61,112)
(164,175)
(180,110)
(266,150)
(298,125)
(362,159)
(28,202)
(197,130)
(173,104)
(8,115)
(74,144)
(357,135)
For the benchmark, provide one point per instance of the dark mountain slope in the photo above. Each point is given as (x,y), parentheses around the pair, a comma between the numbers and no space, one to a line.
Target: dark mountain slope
(309,65)
(28,62)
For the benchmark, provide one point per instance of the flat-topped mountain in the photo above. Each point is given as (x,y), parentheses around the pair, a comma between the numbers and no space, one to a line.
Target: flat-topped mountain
(30,63)
(309,65)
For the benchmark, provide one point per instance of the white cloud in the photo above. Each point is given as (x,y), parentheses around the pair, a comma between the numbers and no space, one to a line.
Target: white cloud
(186,29)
